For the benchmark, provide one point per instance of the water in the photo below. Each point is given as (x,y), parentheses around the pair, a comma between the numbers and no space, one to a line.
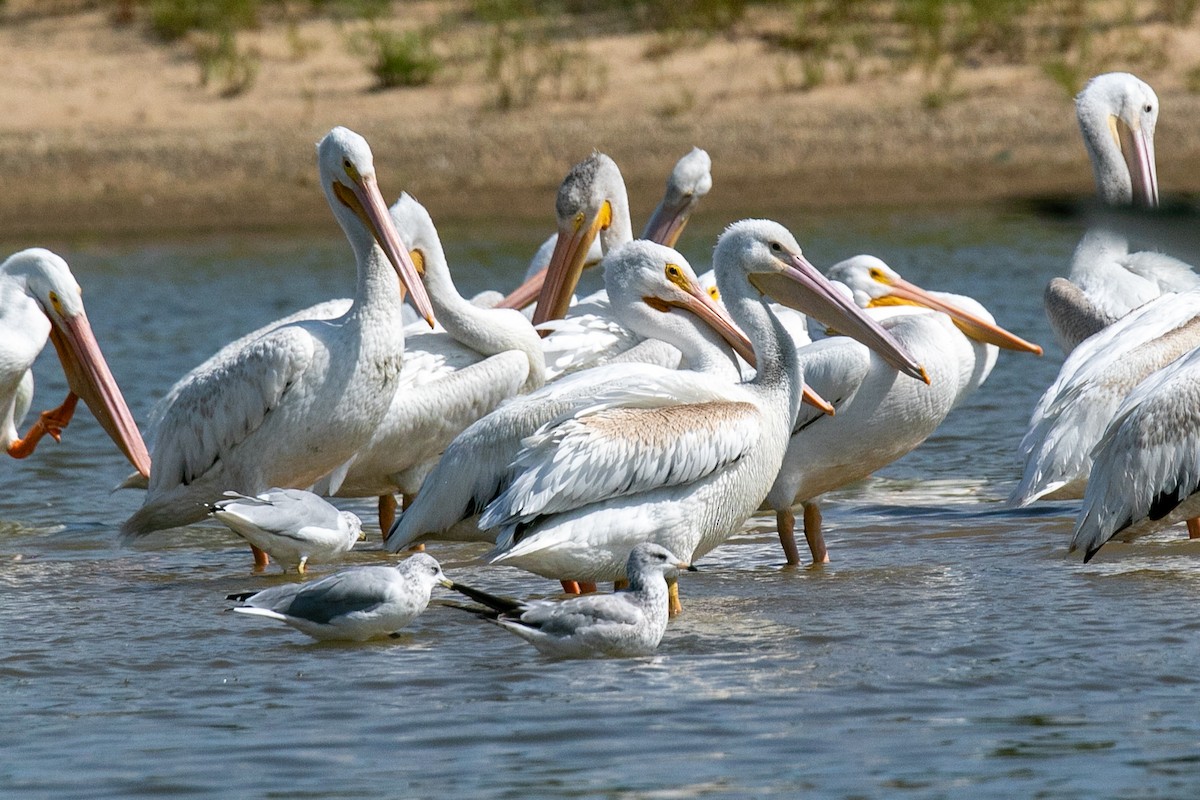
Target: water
(951,648)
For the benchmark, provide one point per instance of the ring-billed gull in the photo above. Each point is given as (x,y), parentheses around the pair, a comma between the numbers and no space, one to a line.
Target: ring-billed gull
(630,622)
(292,526)
(355,604)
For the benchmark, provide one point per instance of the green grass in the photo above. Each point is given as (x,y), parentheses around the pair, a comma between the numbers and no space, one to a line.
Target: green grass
(403,59)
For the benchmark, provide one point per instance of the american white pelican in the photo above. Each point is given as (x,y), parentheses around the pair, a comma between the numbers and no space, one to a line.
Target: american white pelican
(297,403)
(880,415)
(682,460)
(1146,473)
(626,624)
(40,299)
(353,605)
(1073,413)
(1117,114)
(690,180)
(449,379)
(292,526)
(655,293)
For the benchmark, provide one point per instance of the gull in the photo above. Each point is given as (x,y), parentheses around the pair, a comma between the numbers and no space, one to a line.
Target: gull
(292,526)
(352,605)
(627,623)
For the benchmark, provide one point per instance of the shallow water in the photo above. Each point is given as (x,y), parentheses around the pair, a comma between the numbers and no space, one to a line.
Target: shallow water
(950,649)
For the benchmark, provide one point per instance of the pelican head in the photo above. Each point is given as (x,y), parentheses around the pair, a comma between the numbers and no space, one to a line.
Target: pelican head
(767,256)
(687,185)
(874,284)
(650,281)
(1117,113)
(348,177)
(591,202)
(49,282)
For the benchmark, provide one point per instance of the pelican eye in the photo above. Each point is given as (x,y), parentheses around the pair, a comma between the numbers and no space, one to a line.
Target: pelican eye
(1149,108)
(777,247)
(673,271)
(877,275)
(56,301)
(714,293)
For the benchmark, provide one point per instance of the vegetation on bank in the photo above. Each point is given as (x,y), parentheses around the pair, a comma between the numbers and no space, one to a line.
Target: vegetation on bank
(530,49)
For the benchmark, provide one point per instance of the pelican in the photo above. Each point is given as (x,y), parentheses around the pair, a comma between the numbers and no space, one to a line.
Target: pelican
(40,300)
(682,460)
(1117,114)
(1073,413)
(1146,474)
(880,415)
(449,378)
(654,292)
(690,180)
(297,403)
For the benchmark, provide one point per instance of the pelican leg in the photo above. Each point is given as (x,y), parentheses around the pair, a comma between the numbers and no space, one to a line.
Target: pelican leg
(387,513)
(261,559)
(785,521)
(406,500)
(620,585)
(571,587)
(49,422)
(586,587)
(1193,526)
(812,532)
(674,607)
(302,567)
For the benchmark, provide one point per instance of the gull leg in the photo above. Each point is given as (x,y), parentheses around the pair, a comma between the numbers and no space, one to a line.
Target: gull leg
(785,521)
(812,532)
(49,422)
(1194,528)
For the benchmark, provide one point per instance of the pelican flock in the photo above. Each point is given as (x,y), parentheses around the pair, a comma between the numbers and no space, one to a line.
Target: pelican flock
(623,436)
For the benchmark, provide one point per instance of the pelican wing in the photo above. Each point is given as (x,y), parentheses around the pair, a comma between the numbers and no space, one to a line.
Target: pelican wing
(1148,460)
(834,368)
(219,407)
(629,440)
(584,340)
(1168,273)
(1073,413)
(329,309)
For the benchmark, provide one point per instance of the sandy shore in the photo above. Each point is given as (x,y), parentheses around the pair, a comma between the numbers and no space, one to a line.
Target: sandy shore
(108,132)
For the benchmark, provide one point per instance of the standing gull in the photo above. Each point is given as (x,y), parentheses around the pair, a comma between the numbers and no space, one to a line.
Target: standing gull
(352,605)
(626,624)
(292,526)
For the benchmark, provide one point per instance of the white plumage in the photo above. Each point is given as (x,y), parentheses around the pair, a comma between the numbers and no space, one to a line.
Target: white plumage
(39,301)
(880,414)
(1146,472)
(297,403)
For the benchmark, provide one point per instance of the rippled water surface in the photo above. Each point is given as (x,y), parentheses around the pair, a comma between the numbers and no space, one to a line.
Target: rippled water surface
(950,649)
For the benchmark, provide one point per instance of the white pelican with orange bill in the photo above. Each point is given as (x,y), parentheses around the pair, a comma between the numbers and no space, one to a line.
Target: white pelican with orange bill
(297,403)
(40,299)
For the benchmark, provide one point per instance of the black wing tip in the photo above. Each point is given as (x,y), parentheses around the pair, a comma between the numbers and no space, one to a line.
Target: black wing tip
(503,605)
(240,597)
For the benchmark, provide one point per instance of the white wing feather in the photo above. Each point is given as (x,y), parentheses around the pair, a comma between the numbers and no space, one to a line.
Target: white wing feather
(229,401)
(1149,458)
